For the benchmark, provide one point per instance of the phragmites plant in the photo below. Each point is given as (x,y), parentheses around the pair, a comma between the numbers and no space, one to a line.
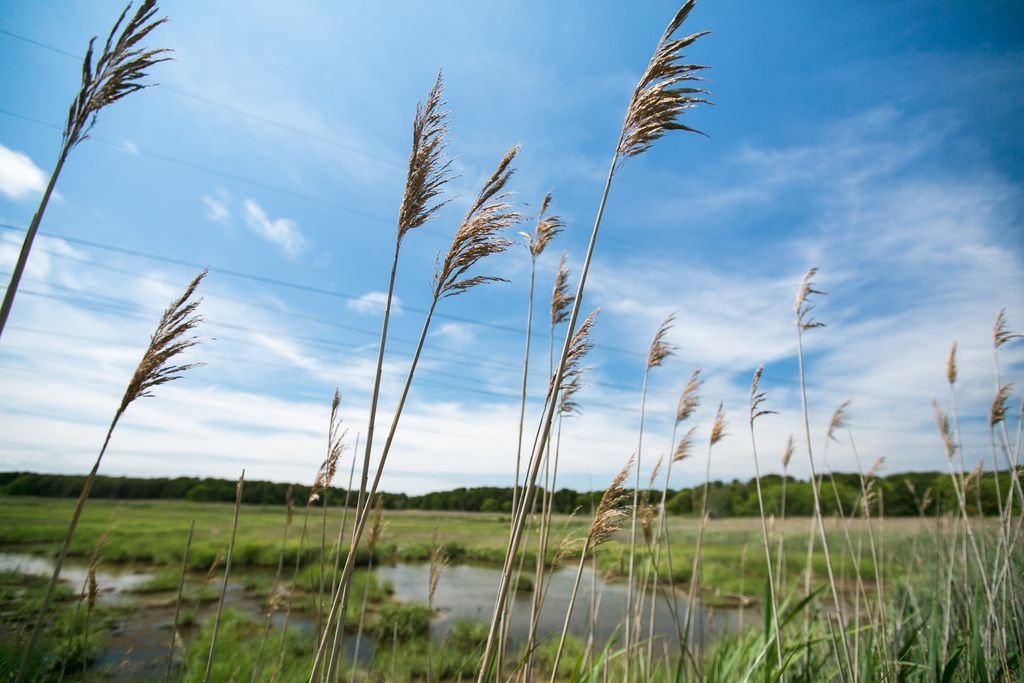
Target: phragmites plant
(478,236)
(757,410)
(544,231)
(607,520)
(120,70)
(658,351)
(951,365)
(173,336)
(661,97)
(561,297)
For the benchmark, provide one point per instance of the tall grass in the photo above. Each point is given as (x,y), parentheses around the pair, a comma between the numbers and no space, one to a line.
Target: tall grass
(902,594)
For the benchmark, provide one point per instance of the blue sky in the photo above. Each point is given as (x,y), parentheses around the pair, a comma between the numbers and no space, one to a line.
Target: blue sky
(880,142)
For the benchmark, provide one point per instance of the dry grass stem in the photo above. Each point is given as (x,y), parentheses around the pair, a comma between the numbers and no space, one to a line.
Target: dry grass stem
(377,526)
(660,98)
(428,170)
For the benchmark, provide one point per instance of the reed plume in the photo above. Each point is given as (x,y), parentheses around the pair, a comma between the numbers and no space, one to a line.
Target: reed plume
(119,71)
(428,172)
(170,340)
(1000,332)
(561,297)
(997,413)
(951,365)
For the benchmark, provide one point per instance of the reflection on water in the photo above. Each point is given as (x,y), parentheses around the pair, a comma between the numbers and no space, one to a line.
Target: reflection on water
(465,592)
(468,592)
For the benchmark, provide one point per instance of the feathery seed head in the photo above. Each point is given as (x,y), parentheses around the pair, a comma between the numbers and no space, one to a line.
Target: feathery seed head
(119,71)
(951,365)
(838,420)
(787,454)
(663,93)
(876,466)
(578,349)
(682,450)
(689,400)
(561,299)
(1000,333)
(654,472)
(545,230)
(660,349)
(997,413)
(942,421)
(718,428)
(92,588)
(439,561)
(428,170)
(567,405)
(802,306)
(169,340)
(610,512)
(757,397)
(479,234)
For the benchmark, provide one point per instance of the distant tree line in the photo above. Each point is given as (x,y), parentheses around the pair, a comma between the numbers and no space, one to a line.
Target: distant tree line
(896,495)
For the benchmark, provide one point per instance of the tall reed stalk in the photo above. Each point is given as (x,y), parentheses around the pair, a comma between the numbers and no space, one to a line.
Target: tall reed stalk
(657,103)
(658,351)
(170,340)
(119,71)
(478,236)
(607,520)
(177,601)
(804,322)
(227,575)
(757,399)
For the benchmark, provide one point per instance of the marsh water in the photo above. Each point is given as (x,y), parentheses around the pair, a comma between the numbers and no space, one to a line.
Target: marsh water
(139,642)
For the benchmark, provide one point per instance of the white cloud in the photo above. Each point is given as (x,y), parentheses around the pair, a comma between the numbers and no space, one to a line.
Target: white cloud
(216,210)
(40,264)
(374,302)
(20,178)
(284,232)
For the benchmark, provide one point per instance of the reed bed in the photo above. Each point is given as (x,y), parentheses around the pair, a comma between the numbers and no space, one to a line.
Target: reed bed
(961,618)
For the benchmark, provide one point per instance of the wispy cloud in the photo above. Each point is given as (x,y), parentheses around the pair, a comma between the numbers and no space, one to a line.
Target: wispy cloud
(215,209)
(374,302)
(283,232)
(20,178)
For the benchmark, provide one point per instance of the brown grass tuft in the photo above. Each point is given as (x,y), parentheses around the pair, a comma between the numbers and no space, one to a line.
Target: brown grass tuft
(545,230)
(682,450)
(757,397)
(787,454)
(945,431)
